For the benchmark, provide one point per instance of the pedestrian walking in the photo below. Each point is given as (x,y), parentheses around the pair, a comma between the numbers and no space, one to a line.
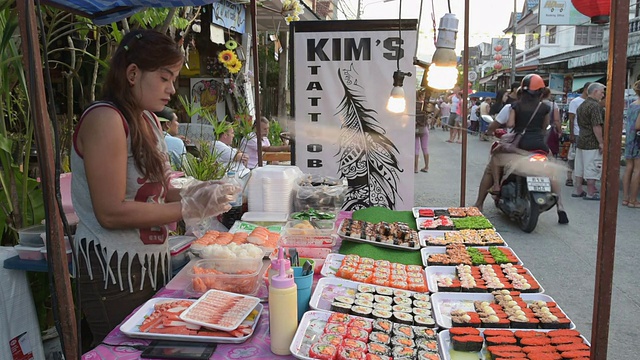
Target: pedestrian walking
(421,136)
(588,164)
(574,131)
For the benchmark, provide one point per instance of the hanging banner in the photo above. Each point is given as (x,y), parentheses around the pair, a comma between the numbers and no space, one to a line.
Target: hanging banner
(560,12)
(207,93)
(342,76)
(229,15)
(556,82)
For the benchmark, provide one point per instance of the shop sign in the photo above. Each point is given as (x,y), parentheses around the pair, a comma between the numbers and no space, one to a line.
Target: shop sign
(556,82)
(342,79)
(560,12)
(229,15)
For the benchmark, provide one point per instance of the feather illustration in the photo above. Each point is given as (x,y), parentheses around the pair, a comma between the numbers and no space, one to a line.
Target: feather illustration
(368,158)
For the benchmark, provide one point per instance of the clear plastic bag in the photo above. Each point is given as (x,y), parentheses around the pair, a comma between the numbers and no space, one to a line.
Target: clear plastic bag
(202,201)
(318,192)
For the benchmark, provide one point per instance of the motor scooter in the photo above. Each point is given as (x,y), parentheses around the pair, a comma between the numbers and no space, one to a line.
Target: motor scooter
(525,187)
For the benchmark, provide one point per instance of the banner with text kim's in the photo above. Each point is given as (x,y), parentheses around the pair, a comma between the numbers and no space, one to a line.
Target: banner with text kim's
(342,75)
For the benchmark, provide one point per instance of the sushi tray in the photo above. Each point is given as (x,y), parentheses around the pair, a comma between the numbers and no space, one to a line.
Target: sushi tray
(475,343)
(375,272)
(132,326)
(325,335)
(389,235)
(446,279)
(456,254)
(454,212)
(463,309)
(219,310)
(487,237)
(439,223)
(377,302)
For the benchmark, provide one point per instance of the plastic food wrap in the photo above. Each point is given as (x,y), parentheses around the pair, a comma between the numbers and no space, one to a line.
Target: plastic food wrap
(202,201)
(318,192)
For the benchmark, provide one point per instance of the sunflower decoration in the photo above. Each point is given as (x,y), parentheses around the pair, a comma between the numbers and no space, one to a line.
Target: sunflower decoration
(227,56)
(234,67)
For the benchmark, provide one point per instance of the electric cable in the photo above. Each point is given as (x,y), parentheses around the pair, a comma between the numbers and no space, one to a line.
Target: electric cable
(399,33)
(433,20)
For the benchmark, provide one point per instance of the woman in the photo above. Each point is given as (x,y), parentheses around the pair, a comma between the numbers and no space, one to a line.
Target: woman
(531,116)
(555,129)
(249,144)
(501,97)
(421,136)
(631,179)
(120,189)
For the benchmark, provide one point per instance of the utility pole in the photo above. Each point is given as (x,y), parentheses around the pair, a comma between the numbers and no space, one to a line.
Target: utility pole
(359,7)
(513,45)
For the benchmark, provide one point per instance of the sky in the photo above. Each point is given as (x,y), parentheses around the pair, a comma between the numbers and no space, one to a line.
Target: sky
(487,18)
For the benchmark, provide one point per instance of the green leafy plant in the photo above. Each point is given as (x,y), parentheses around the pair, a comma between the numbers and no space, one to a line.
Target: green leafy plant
(275,129)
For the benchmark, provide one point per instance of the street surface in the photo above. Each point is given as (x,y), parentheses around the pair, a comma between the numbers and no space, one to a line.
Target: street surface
(561,257)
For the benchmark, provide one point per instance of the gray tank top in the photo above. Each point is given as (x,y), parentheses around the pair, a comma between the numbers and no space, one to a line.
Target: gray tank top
(149,245)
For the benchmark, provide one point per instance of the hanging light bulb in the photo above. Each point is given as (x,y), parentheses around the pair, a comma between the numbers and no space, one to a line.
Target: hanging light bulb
(443,73)
(397,103)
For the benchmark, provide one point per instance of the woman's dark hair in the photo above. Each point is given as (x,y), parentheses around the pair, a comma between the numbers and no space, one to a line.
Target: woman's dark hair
(149,50)
(498,104)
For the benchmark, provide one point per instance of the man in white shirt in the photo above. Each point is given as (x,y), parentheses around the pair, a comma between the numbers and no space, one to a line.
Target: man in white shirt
(177,150)
(227,155)
(574,130)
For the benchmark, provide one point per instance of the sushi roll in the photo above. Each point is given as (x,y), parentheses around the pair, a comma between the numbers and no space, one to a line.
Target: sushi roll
(402,318)
(426,355)
(357,334)
(365,296)
(402,341)
(366,288)
(361,311)
(339,318)
(400,352)
(382,263)
(371,356)
(383,299)
(354,344)
(402,293)
(420,311)
(378,348)
(383,325)
(402,308)
(398,300)
(361,324)
(430,345)
(335,328)
(340,307)
(403,330)
(470,343)
(382,306)
(323,351)
(347,353)
(422,304)
(380,337)
(344,299)
(363,302)
(382,314)
(421,297)
(382,281)
(424,332)
(383,290)
(426,321)
(333,339)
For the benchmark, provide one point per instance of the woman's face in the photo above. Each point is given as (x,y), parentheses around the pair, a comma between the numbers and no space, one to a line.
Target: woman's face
(153,89)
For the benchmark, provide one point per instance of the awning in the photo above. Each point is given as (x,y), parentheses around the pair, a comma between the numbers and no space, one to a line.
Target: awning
(578,83)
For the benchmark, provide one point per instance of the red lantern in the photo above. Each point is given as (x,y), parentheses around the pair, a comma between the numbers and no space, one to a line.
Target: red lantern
(498,57)
(498,48)
(597,10)
(497,66)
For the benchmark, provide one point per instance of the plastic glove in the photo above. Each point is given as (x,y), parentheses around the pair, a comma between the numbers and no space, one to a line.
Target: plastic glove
(203,200)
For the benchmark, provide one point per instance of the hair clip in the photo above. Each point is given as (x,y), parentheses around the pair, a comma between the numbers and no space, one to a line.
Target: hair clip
(126,48)
(139,36)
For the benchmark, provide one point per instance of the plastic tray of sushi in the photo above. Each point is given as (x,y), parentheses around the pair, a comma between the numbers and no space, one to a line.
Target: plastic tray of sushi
(336,336)
(486,237)
(457,254)
(395,235)
(483,278)
(441,222)
(376,272)
(455,212)
(487,344)
(499,309)
(377,302)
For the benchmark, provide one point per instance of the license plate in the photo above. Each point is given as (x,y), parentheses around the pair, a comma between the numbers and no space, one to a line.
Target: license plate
(538,184)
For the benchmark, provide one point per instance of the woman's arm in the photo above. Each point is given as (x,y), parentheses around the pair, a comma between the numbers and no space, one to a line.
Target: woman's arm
(558,122)
(512,119)
(102,142)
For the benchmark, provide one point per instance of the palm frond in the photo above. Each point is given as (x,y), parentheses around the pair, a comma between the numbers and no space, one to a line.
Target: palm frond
(368,158)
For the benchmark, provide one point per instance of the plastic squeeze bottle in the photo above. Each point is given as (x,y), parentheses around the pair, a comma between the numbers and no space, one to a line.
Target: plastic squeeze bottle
(275,266)
(283,312)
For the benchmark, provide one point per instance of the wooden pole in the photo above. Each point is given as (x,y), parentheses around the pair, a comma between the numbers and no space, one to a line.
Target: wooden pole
(42,124)
(616,81)
(256,76)
(465,96)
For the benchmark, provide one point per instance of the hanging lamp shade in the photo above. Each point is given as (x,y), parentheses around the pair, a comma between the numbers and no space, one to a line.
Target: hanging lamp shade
(597,10)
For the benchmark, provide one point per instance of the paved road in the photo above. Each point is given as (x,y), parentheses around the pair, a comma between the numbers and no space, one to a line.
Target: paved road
(561,257)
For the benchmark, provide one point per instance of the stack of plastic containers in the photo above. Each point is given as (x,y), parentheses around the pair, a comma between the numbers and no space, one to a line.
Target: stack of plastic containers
(270,188)
(312,241)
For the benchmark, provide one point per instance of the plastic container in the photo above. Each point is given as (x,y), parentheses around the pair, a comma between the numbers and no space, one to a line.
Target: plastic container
(303,284)
(240,276)
(69,254)
(29,252)
(233,179)
(305,227)
(283,312)
(265,218)
(30,236)
(178,249)
(43,237)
